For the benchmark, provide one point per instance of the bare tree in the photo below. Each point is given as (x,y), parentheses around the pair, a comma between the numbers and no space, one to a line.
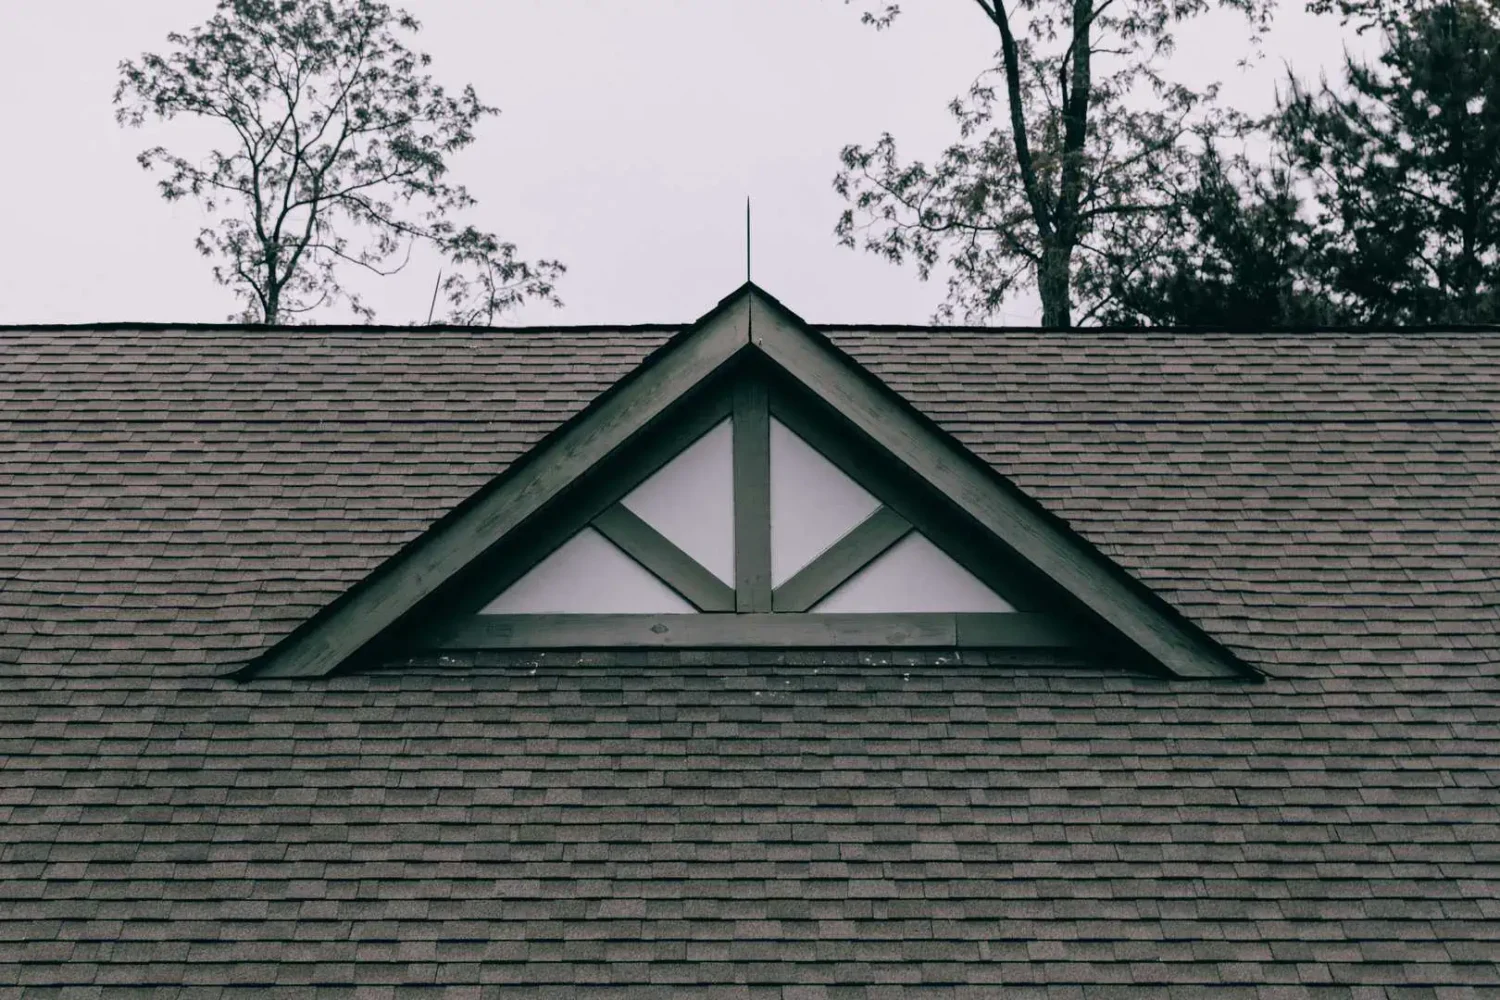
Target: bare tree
(337,159)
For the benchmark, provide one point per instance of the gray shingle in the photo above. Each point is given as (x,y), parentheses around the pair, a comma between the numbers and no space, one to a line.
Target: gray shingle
(1327,504)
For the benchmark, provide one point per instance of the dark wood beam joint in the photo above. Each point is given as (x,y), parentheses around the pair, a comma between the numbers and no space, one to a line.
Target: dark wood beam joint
(666,561)
(844,558)
(606,484)
(947,533)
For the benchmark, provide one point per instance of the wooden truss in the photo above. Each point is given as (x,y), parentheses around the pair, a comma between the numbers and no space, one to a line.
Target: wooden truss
(751,358)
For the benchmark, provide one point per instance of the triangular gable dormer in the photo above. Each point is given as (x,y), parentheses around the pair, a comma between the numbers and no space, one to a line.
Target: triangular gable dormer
(746,535)
(748,486)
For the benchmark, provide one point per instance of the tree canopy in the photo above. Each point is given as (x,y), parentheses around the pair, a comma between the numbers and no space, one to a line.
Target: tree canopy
(1071,153)
(1242,256)
(1386,208)
(336,159)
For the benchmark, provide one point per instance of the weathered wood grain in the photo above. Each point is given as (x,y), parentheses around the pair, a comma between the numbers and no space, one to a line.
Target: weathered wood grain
(736,631)
(1105,590)
(752,496)
(666,561)
(845,557)
(413,574)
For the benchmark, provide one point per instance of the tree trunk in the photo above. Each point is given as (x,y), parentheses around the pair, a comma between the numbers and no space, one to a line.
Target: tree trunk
(1054,281)
(271,300)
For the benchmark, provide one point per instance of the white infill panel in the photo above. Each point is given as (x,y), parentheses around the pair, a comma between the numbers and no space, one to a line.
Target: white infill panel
(914,575)
(813,504)
(690,500)
(588,575)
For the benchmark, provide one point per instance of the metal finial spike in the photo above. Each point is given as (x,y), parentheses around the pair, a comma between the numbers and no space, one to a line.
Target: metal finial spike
(747,239)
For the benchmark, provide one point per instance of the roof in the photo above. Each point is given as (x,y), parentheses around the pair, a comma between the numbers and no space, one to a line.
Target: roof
(750,347)
(1325,503)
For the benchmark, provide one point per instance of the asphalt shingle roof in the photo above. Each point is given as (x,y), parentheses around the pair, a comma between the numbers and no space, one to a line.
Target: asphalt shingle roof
(751,825)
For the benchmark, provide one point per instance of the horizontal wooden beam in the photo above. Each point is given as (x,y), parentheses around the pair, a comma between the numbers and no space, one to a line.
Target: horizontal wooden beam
(666,561)
(741,631)
(845,557)
(1022,630)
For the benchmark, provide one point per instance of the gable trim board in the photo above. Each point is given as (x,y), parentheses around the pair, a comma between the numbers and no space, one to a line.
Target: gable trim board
(748,323)
(1040,538)
(584,619)
(340,630)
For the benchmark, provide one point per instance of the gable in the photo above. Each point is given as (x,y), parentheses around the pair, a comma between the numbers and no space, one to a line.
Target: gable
(668,545)
(858,564)
(829,403)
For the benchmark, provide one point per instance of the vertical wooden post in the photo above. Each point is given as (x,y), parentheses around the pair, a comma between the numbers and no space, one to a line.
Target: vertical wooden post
(752,496)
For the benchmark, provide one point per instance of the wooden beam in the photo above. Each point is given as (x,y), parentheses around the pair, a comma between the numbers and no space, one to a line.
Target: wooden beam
(845,557)
(666,561)
(485,579)
(775,631)
(379,601)
(667,439)
(752,496)
(954,535)
(876,411)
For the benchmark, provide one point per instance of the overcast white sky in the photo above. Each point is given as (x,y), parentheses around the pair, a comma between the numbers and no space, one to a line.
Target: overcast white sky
(631,132)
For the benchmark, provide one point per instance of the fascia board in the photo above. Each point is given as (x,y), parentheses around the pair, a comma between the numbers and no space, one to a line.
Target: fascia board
(377,602)
(995,503)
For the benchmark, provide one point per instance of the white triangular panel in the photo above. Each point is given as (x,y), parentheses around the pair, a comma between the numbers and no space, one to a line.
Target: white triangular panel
(588,575)
(690,500)
(813,504)
(913,575)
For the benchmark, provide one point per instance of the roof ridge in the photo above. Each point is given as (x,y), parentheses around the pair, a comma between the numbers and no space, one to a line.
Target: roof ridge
(1049,420)
(1223,331)
(356,328)
(423,328)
